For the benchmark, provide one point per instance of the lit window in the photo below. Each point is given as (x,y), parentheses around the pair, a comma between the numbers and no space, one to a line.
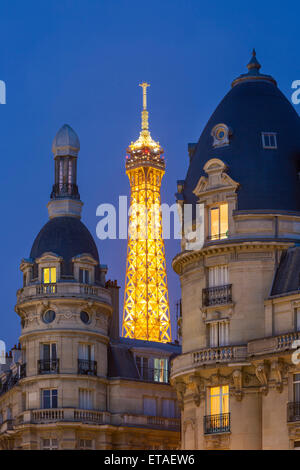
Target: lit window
(269,140)
(49,275)
(84,276)
(49,399)
(219,222)
(49,444)
(219,400)
(218,333)
(161,370)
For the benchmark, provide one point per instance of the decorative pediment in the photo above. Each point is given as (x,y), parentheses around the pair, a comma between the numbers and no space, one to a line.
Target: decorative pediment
(49,257)
(85,258)
(217,179)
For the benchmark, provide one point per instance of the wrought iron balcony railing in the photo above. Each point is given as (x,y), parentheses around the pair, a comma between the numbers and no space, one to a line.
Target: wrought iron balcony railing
(215,424)
(87,367)
(151,374)
(48,366)
(293,412)
(217,295)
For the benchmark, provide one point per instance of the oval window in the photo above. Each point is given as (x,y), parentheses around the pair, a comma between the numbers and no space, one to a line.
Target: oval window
(84,317)
(49,316)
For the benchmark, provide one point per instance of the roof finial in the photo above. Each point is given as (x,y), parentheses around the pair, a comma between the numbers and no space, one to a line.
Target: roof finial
(145,123)
(253,66)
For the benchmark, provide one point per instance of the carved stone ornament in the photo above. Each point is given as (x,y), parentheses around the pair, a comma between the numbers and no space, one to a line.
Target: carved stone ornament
(261,372)
(197,385)
(237,378)
(180,388)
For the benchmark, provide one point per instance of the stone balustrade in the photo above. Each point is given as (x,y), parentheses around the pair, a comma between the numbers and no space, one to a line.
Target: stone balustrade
(94,417)
(63,289)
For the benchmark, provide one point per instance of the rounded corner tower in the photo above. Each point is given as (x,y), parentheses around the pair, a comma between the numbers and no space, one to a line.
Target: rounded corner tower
(239,269)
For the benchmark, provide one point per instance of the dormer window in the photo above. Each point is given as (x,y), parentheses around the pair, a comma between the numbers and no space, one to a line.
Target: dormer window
(218,222)
(84,277)
(49,275)
(269,140)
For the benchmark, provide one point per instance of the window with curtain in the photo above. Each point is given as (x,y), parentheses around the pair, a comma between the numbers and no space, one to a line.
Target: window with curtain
(218,276)
(49,275)
(85,399)
(218,221)
(168,408)
(218,333)
(149,406)
(218,400)
(296,388)
(86,352)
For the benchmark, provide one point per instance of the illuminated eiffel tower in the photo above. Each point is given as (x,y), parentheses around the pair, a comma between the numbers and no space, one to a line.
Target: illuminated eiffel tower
(146,313)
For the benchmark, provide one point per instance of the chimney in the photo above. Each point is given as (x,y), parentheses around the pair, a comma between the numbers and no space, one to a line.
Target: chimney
(114,329)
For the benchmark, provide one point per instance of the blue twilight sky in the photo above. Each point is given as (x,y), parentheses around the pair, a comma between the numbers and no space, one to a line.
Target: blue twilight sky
(80,62)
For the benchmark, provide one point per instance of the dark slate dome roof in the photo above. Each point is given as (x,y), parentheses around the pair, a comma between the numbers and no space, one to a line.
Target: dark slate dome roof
(268,178)
(66,237)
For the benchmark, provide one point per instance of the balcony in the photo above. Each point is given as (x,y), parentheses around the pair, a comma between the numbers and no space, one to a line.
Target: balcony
(48,366)
(216,424)
(293,412)
(156,422)
(151,374)
(63,289)
(87,367)
(46,289)
(221,354)
(219,295)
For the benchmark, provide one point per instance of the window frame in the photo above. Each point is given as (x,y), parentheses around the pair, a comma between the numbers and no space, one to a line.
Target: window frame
(268,135)
(221,395)
(220,235)
(51,398)
(52,272)
(222,342)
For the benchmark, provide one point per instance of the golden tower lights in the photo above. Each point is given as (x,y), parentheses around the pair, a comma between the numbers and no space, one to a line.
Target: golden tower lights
(146,313)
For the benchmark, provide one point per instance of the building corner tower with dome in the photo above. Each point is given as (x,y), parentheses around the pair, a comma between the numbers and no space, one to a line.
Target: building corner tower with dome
(72,382)
(236,380)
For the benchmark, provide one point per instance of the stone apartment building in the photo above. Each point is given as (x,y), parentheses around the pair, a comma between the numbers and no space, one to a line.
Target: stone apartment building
(72,382)
(237,379)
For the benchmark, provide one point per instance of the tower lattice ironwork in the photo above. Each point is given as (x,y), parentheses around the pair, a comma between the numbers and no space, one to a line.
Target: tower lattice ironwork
(146,314)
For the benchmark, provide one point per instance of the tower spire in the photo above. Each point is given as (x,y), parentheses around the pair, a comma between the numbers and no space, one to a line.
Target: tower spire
(145,114)
(146,314)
